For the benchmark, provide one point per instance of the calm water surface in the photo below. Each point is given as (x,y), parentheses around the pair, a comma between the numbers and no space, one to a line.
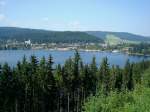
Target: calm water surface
(13,56)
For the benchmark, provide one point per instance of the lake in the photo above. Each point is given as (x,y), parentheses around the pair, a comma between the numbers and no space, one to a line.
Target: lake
(13,56)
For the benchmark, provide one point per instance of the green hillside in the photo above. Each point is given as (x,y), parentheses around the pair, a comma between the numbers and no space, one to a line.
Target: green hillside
(114,40)
(127,37)
(44,36)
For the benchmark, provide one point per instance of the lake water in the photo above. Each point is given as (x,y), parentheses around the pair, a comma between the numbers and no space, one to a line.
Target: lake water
(13,56)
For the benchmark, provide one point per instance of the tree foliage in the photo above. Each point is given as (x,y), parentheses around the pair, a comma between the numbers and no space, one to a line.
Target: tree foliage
(39,86)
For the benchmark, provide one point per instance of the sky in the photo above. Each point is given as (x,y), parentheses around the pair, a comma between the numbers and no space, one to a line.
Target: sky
(78,15)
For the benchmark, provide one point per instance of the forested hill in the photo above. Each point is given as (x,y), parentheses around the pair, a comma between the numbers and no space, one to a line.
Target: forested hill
(45,36)
(40,36)
(122,35)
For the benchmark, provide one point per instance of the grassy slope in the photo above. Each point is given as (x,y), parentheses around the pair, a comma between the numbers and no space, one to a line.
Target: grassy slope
(114,40)
(121,35)
(135,101)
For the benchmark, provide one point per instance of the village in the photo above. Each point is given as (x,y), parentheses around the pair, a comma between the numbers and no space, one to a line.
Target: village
(88,47)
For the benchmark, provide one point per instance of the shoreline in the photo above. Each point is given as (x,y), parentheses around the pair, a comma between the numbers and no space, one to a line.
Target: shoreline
(85,50)
(139,54)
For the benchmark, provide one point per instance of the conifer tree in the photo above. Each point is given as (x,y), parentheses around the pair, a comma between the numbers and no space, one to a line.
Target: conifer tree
(137,73)
(69,81)
(76,80)
(33,83)
(128,76)
(105,76)
(60,85)
(0,68)
(7,89)
(50,87)
(93,75)
(42,71)
(76,70)
(119,79)
(113,75)
(33,86)
(131,81)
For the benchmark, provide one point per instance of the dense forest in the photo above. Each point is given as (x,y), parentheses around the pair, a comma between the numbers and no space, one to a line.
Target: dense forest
(44,36)
(40,86)
(136,100)
(142,48)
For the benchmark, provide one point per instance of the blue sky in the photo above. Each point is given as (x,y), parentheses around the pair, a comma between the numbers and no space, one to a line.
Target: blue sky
(100,15)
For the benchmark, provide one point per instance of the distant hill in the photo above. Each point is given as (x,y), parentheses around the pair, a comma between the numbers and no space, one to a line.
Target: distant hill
(44,36)
(127,37)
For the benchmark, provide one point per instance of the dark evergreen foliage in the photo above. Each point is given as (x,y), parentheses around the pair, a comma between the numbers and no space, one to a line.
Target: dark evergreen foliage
(38,86)
(45,36)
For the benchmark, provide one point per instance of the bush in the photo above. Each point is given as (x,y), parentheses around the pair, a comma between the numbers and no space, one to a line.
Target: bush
(128,101)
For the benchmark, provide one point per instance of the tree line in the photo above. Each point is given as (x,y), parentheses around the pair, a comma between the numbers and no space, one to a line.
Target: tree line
(142,48)
(39,86)
(44,36)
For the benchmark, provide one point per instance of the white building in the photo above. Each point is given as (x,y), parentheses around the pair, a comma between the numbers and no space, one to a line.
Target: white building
(28,42)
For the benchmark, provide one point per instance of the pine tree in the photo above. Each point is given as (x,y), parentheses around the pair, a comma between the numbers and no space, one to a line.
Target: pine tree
(66,91)
(128,81)
(137,73)
(50,87)
(119,79)
(25,78)
(113,75)
(60,85)
(87,80)
(33,84)
(76,81)
(93,75)
(41,72)
(0,68)
(126,75)
(131,81)
(76,70)
(105,76)
(7,89)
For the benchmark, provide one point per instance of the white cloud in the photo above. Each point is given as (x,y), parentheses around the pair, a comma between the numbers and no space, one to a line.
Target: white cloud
(2,3)
(2,17)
